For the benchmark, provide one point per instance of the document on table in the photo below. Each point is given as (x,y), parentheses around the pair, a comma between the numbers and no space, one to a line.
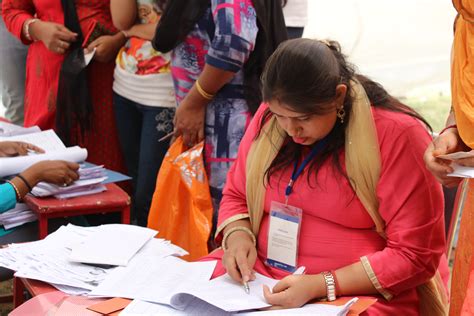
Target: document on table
(48,260)
(226,294)
(17,216)
(177,283)
(112,245)
(199,307)
(195,307)
(154,279)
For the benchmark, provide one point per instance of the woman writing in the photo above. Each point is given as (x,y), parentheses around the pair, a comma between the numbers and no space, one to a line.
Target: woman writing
(321,181)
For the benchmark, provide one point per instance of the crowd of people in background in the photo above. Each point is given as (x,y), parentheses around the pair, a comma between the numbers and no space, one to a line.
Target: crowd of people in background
(290,130)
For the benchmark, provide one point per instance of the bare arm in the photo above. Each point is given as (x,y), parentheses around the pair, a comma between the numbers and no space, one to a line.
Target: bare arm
(189,118)
(144,31)
(124,13)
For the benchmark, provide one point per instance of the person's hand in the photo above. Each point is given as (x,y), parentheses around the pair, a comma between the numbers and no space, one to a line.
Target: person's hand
(189,122)
(53,171)
(106,47)
(240,256)
(446,143)
(295,290)
(13,149)
(56,37)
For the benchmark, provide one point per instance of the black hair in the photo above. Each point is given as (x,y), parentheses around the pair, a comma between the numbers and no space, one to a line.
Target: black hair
(303,74)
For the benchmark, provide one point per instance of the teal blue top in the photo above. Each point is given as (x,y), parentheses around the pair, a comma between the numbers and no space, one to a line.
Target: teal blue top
(7,202)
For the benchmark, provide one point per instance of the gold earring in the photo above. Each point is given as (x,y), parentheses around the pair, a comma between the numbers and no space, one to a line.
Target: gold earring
(341,113)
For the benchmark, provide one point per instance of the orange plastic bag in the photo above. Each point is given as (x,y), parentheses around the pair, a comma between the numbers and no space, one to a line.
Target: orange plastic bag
(181,209)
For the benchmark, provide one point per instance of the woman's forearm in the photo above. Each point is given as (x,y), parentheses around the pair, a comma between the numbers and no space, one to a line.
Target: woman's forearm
(144,31)
(353,280)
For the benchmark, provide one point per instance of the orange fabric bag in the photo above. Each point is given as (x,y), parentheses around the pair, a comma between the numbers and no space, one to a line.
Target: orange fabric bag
(181,209)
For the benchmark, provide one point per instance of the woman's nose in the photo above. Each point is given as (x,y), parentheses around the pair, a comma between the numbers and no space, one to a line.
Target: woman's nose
(293,129)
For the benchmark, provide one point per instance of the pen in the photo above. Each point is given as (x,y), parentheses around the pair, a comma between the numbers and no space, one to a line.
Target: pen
(300,270)
(169,135)
(246,287)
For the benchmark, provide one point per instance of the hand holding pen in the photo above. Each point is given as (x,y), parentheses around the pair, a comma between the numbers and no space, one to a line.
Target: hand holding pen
(239,258)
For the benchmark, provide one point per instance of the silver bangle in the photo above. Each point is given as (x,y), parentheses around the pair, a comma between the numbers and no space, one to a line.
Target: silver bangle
(330,286)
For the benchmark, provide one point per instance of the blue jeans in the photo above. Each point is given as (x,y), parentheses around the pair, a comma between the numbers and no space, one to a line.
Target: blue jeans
(12,75)
(139,128)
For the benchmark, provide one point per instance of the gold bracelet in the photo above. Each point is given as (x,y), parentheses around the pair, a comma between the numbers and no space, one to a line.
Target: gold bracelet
(202,92)
(233,230)
(18,196)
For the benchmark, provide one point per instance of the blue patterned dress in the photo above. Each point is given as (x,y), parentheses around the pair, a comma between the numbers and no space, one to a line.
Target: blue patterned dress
(224,38)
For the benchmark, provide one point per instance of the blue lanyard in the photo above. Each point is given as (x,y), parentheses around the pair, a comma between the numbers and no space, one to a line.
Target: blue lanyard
(298,170)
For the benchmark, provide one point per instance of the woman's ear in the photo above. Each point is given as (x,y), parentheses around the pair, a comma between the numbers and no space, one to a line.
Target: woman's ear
(341,90)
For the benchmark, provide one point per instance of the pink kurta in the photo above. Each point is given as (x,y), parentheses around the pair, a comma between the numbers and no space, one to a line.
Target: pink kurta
(336,229)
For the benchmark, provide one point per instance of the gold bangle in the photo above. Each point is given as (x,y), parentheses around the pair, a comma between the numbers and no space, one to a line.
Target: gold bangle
(18,196)
(26,29)
(202,92)
(233,230)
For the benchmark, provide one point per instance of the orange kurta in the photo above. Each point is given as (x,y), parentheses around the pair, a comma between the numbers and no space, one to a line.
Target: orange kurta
(462,85)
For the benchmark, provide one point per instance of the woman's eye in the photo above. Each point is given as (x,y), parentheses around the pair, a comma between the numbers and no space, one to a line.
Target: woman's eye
(302,119)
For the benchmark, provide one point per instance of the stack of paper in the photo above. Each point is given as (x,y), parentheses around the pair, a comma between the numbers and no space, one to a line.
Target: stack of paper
(20,215)
(90,182)
(49,142)
(48,259)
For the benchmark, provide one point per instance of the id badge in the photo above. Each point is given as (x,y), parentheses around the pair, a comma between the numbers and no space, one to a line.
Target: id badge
(283,236)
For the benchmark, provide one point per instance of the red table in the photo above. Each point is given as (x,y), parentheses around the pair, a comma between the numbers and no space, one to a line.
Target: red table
(112,200)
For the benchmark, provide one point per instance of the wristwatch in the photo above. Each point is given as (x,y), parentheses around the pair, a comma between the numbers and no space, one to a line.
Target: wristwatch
(330,285)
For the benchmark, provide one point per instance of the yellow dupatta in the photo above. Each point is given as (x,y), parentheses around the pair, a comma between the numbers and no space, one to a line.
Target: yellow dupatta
(462,70)
(363,165)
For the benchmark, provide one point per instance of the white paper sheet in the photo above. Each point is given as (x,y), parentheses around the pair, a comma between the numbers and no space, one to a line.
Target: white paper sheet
(198,307)
(14,165)
(457,155)
(110,246)
(226,294)
(7,129)
(46,140)
(154,279)
(461,171)
(308,309)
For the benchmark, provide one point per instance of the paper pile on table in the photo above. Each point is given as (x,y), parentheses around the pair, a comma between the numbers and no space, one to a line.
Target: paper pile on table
(90,181)
(20,215)
(48,260)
